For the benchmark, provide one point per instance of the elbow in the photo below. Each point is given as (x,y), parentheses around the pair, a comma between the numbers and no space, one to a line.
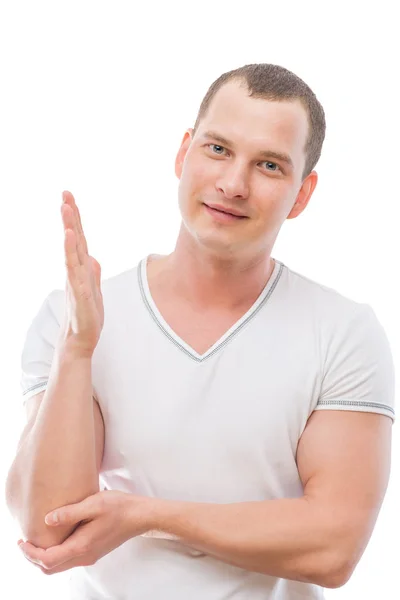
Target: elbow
(31,522)
(35,531)
(29,511)
(335,579)
(48,536)
(337,575)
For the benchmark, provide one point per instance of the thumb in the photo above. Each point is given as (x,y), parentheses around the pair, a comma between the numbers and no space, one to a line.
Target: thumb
(69,515)
(96,271)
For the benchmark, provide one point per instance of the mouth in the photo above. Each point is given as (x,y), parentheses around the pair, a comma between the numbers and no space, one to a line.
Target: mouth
(223,212)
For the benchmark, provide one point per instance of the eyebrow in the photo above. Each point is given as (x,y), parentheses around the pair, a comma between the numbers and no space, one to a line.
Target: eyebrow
(265,153)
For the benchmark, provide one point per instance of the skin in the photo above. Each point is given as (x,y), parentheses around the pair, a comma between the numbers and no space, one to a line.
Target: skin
(218,264)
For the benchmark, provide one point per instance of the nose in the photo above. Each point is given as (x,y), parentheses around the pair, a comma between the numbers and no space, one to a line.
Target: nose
(233,182)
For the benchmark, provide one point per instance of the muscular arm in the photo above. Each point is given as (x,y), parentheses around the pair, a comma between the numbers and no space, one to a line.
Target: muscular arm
(343,459)
(59,455)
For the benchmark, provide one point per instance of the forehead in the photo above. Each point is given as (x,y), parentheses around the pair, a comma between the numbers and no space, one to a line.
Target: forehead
(282,126)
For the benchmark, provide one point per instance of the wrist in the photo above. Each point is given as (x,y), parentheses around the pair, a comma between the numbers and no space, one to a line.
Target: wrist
(158,517)
(70,350)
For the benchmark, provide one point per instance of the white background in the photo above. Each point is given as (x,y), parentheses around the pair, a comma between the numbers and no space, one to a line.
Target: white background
(95,98)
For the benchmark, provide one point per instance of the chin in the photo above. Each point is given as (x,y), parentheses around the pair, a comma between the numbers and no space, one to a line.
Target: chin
(217,241)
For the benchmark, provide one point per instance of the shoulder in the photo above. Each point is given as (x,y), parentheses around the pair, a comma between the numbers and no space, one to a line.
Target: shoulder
(318,301)
(338,321)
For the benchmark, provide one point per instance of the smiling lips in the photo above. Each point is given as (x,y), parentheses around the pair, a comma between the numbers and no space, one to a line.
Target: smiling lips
(227,211)
(221,216)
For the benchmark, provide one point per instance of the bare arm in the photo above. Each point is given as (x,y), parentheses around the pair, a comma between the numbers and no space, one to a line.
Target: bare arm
(344,463)
(56,460)
(60,452)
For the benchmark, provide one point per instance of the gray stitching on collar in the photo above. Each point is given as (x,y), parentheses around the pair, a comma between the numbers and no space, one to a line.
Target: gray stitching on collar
(228,339)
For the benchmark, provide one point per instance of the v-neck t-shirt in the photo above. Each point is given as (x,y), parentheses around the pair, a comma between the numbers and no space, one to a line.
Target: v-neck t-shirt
(220,427)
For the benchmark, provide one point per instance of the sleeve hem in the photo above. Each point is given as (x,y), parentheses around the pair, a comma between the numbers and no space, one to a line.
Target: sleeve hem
(358,406)
(34,389)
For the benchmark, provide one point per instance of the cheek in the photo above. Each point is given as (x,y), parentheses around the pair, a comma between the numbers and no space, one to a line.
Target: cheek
(273,195)
(277,210)
(196,183)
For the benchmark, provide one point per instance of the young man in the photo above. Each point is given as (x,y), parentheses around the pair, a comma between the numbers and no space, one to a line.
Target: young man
(238,413)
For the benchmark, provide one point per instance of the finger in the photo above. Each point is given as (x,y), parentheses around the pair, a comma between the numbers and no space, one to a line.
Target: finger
(69,221)
(51,558)
(69,564)
(96,268)
(31,553)
(64,567)
(72,262)
(80,229)
(80,234)
(39,565)
(77,561)
(73,513)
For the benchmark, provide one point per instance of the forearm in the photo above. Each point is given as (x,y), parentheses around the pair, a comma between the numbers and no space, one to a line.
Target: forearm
(285,538)
(56,464)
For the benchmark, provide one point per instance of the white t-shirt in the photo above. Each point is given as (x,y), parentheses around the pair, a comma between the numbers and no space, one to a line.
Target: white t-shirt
(218,427)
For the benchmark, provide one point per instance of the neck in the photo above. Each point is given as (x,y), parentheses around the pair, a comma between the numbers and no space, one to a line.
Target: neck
(209,281)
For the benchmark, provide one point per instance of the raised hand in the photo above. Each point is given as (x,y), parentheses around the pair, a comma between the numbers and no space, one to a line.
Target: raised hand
(84,309)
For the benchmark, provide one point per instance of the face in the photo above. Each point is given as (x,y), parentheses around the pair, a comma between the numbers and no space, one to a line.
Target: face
(246,156)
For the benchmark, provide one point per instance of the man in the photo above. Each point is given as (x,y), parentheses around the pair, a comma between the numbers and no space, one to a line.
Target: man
(238,413)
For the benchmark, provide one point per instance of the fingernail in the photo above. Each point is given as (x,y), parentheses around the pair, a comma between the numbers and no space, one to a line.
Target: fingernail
(51,519)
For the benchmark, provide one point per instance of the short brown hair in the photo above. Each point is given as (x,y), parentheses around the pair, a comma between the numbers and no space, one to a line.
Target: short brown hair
(275,83)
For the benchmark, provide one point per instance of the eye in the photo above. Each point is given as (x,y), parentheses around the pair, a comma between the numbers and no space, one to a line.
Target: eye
(219,150)
(274,164)
(216,146)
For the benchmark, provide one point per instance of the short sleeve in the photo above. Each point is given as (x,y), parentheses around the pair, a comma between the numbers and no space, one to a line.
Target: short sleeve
(40,344)
(359,370)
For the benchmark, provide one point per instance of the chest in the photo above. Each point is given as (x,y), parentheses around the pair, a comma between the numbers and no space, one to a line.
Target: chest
(198,330)
(192,425)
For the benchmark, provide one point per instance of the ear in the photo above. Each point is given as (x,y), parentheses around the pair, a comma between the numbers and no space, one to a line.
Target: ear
(304,195)
(180,157)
